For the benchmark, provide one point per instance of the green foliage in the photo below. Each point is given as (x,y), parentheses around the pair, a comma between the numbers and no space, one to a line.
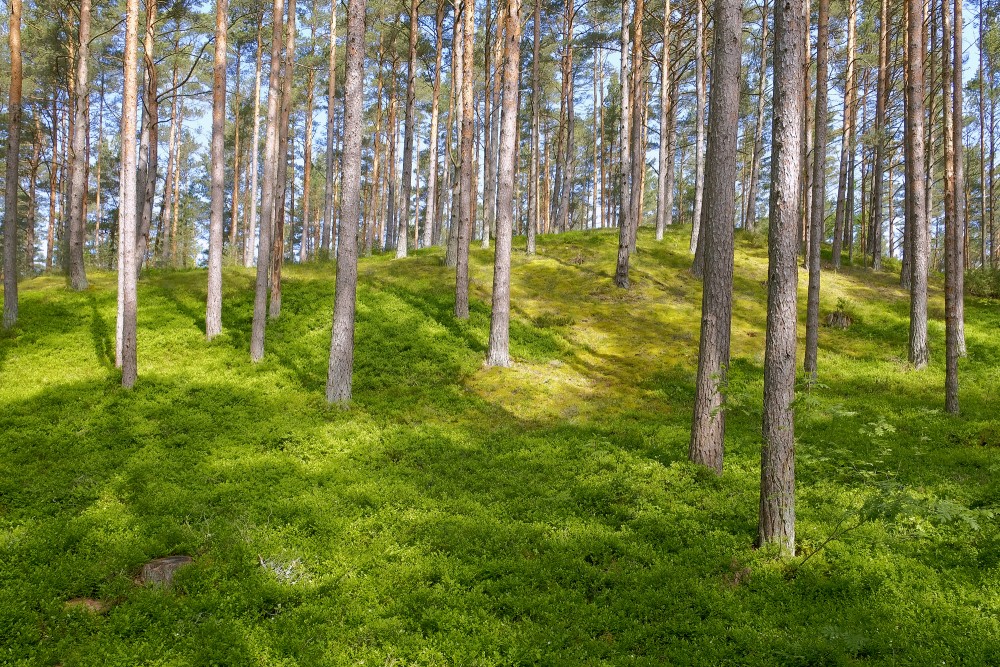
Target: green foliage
(543,514)
(983,282)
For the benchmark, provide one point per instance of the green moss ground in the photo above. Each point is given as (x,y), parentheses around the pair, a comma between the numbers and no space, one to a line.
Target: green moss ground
(543,514)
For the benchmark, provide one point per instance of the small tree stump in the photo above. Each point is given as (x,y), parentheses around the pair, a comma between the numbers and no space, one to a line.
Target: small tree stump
(160,572)
(838,319)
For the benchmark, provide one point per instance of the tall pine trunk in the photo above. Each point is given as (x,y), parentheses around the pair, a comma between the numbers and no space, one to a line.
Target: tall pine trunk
(498,353)
(213,308)
(709,426)
(127,266)
(536,129)
(818,214)
(468,196)
(12,174)
(341,366)
(78,154)
(845,212)
(777,489)
(432,216)
(267,197)
(916,165)
(411,76)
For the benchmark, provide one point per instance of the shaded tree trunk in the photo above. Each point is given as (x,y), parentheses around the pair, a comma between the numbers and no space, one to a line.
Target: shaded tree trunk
(916,165)
(281,180)
(818,217)
(750,212)
(267,198)
(709,425)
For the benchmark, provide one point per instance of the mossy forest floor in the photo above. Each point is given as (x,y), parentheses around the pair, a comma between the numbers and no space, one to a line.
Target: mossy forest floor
(455,515)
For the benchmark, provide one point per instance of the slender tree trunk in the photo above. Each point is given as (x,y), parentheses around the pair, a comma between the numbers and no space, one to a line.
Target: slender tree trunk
(844,214)
(951,242)
(78,154)
(961,215)
(665,110)
(53,168)
(467,204)
(700,95)
(329,219)
(914,141)
(876,230)
(454,147)
(36,161)
(411,76)
(777,488)
(267,198)
(213,309)
(251,235)
(569,161)
(536,129)
(305,246)
(432,217)
(498,353)
(166,205)
(176,198)
(149,143)
(750,212)
(818,219)
(708,428)
(281,178)
(629,193)
(341,367)
(982,148)
(127,266)
(12,174)
(234,213)
(490,102)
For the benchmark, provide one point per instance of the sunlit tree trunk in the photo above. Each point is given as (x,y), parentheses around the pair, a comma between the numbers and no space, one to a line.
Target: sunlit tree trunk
(78,154)
(411,76)
(213,312)
(341,366)
(433,214)
(536,129)
(845,212)
(498,353)
(127,266)
(467,203)
(12,174)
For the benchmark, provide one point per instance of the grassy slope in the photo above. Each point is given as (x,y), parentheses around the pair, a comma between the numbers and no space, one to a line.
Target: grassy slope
(544,514)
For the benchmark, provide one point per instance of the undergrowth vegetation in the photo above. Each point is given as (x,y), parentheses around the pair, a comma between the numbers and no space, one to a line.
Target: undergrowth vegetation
(543,514)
